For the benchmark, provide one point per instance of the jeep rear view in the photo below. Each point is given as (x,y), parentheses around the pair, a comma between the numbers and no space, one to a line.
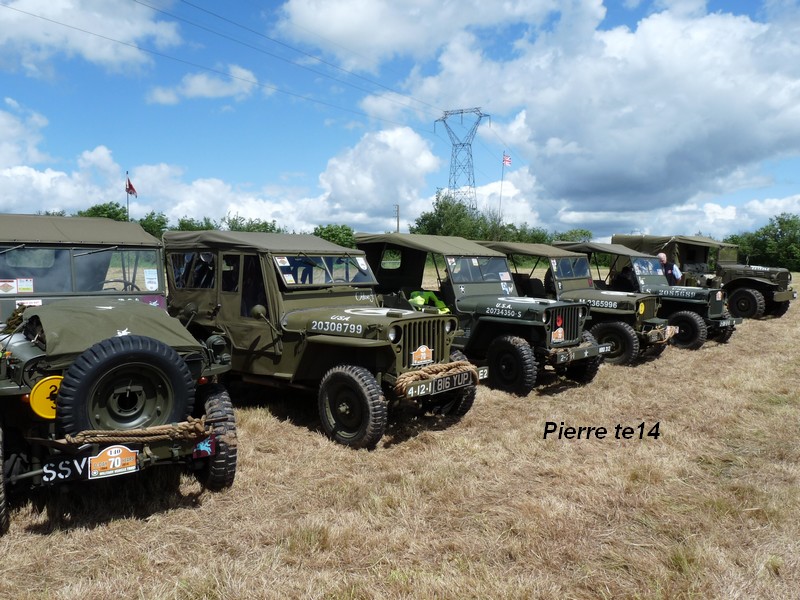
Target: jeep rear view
(96,379)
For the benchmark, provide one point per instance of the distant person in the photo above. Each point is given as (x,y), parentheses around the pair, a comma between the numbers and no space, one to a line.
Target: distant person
(671,270)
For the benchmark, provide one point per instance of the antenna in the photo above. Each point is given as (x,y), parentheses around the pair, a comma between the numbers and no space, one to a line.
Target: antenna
(461,167)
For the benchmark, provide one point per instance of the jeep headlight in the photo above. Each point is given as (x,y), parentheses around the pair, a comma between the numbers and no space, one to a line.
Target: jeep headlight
(449,326)
(581,312)
(394,334)
(545,317)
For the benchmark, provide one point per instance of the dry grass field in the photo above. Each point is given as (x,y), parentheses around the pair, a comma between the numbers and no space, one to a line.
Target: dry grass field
(482,508)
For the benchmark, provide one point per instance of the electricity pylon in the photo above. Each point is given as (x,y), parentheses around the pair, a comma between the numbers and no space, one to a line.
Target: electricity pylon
(462,173)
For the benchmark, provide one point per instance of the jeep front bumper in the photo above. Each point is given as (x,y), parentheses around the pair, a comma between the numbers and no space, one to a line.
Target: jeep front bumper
(416,384)
(658,335)
(784,296)
(563,356)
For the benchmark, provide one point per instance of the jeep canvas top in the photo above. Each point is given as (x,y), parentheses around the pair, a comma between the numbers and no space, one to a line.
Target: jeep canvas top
(302,313)
(517,337)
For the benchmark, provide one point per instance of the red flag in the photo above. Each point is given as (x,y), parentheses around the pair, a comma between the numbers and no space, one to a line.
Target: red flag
(506,160)
(129,189)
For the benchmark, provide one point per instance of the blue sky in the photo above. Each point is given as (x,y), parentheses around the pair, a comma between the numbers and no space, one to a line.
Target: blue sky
(654,116)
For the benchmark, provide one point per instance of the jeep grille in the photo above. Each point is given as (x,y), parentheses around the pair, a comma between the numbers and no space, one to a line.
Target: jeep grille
(650,308)
(716,307)
(570,322)
(783,279)
(423,332)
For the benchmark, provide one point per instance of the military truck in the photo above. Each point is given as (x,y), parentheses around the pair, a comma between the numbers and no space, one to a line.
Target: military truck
(698,313)
(302,314)
(627,321)
(96,379)
(516,337)
(753,291)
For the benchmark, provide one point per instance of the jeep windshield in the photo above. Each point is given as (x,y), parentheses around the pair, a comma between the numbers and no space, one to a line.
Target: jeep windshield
(571,267)
(58,270)
(649,271)
(307,270)
(477,269)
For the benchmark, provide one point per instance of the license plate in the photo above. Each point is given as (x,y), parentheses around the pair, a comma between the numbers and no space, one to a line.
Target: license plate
(603,348)
(439,385)
(726,323)
(114,460)
(483,372)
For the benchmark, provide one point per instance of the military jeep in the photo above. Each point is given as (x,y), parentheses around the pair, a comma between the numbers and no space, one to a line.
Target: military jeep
(96,379)
(753,291)
(627,321)
(698,313)
(301,313)
(516,337)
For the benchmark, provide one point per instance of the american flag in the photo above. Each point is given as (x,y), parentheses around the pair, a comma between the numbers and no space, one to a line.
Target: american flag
(506,160)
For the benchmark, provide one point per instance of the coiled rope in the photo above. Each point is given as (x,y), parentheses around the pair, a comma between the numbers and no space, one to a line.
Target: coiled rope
(433,371)
(191,429)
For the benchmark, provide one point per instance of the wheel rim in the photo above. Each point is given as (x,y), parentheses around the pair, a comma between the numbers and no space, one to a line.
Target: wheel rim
(686,332)
(743,304)
(617,345)
(508,368)
(130,396)
(345,410)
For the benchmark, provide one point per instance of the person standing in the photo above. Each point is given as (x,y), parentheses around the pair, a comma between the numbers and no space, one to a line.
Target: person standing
(671,270)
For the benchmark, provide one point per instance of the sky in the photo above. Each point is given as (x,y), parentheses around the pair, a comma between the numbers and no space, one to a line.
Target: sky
(626,116)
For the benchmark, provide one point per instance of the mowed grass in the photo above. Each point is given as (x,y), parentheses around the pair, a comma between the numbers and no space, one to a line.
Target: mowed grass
(481,508)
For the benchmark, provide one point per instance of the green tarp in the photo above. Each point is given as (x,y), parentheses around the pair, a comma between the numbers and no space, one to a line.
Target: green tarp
(530,249)
(45,229)
(653,244)
(105,319)
(615,249)
(253,241)
(438,244)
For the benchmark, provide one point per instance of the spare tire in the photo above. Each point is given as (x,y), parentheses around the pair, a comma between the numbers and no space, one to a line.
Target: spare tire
(125,382)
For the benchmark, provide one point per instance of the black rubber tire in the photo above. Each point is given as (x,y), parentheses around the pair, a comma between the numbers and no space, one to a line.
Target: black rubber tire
(778,309)
(747,303)
(5,518)
(125,382)
(692,330)
(458,402)
(584,371)
(623,339)
(512,365)
(352,407)
(218,472)
(723,334)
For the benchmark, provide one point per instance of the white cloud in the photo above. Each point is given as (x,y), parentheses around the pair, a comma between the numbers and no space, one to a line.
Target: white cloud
(32,32)
(22,134)
(364,33)
(239,84)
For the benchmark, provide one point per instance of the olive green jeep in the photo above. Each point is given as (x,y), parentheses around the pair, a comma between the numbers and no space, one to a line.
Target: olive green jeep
(700,314)
(301,313)
(96,379)
(753,291)
(516,337)
(627,321)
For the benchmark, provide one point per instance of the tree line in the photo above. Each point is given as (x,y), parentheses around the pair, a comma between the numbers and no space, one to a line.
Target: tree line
(776,244)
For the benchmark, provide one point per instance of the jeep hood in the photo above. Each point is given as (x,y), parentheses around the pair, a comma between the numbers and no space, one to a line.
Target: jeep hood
(519,307)
(72,326)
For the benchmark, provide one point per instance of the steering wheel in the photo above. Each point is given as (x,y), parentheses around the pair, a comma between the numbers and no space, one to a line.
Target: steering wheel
(126,285)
